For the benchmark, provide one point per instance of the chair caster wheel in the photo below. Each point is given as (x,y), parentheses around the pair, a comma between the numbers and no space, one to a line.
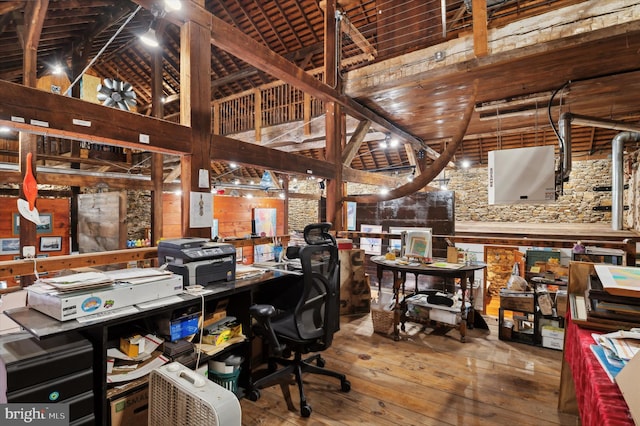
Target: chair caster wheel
(254,395)
(345,386)
(305,410)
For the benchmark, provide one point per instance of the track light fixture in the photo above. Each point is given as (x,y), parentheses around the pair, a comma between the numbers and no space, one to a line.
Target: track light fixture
(172,5)
(150,38)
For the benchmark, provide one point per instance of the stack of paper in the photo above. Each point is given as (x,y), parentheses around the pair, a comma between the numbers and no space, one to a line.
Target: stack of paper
(615,350)
(78,281)
(138,275)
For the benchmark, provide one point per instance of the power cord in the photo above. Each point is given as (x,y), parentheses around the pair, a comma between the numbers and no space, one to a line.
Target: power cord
(201,331)
(35,268)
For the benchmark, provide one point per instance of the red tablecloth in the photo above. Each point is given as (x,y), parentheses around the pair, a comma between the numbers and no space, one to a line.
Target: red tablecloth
(599,400)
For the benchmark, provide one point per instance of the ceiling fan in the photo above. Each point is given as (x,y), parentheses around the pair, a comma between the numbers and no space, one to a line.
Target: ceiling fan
(116,93)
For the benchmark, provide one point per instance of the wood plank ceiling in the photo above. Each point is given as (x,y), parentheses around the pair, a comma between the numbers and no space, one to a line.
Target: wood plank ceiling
(75,32)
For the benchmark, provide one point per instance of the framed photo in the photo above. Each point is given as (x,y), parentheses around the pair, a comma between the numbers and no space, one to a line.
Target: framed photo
(397,244)
(418,244)
(10,246)
(45,227)
(371,246)
(351,215)
(50,243)
(265,221)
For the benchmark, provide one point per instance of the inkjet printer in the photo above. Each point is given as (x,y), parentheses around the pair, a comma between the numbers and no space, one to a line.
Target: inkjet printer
(198,260)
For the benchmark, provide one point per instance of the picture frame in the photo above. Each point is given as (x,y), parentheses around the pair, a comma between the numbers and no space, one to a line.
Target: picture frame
(351,215)
(372,246)
(46,226)
(418,244)
(50,243)
(265,221)
(9,246)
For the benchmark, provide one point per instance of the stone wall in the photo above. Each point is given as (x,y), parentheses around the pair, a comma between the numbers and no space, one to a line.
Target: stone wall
(138,215)
(575,206)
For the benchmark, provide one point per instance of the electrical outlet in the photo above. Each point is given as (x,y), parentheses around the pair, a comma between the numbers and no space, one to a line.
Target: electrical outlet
(28,252)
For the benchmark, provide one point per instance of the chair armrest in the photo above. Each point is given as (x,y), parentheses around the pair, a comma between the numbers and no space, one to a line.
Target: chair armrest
(262,314)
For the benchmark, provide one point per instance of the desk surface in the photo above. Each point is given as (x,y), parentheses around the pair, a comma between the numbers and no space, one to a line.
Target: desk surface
(429,268)
(41,325)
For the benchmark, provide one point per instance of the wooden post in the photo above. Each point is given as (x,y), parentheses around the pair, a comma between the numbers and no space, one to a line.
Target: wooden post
(480,44)
(333,117)
(30,36)
(195,111)
(157,159)
(257,101)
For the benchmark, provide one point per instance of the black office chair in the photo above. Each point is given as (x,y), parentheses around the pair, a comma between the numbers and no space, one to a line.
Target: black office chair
(310,325)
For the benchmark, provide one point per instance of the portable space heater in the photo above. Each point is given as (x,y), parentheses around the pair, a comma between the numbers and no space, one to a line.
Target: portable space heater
(180,396)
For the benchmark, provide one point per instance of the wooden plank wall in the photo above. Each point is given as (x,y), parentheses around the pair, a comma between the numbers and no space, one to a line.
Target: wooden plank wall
(58,209)
(234,216)
(435,210)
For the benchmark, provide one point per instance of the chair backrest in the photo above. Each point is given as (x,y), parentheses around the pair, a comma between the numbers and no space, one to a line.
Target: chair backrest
(318,233)
(318,310)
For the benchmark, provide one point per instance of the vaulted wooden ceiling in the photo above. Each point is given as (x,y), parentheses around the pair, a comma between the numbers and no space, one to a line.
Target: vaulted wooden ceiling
(604,72)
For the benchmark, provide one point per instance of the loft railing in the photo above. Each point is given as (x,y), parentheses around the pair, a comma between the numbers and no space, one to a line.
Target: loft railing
(269,105)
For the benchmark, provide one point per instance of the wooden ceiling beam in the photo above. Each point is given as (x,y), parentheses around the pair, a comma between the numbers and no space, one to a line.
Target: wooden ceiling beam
(236,43)
(35,12)
(10,6)
(355,142)
(270,24)
(480,36)
(84,181)
(438,165)
(49,114)
(227,149)
(106,20)
(350,174)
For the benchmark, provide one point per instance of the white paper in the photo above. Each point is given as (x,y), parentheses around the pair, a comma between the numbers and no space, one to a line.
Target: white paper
(139,372)
(151,343)
(203,178)
(201,210)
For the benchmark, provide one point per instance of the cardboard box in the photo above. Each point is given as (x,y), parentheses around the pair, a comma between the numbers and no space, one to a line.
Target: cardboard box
(561,303)
(132,346)
(553,332)
(452,254)
(552,342)
(517,301)
(445,316)
(219,313)
(131,409)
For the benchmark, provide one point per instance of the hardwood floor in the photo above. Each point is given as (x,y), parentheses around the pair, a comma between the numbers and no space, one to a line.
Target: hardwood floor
(424,379)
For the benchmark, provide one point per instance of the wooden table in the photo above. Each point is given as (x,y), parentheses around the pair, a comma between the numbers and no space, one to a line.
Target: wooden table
(584,384)
(464,272)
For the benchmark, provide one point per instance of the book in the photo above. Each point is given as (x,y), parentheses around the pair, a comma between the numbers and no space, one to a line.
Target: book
(619,280)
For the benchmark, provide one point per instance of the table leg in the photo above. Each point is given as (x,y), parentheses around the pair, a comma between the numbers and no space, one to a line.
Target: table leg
(379,273)
(463,310)
(397,282)
(472,312)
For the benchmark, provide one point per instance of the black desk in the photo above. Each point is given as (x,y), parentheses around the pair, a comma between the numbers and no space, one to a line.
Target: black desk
(105,330)
(465,273)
